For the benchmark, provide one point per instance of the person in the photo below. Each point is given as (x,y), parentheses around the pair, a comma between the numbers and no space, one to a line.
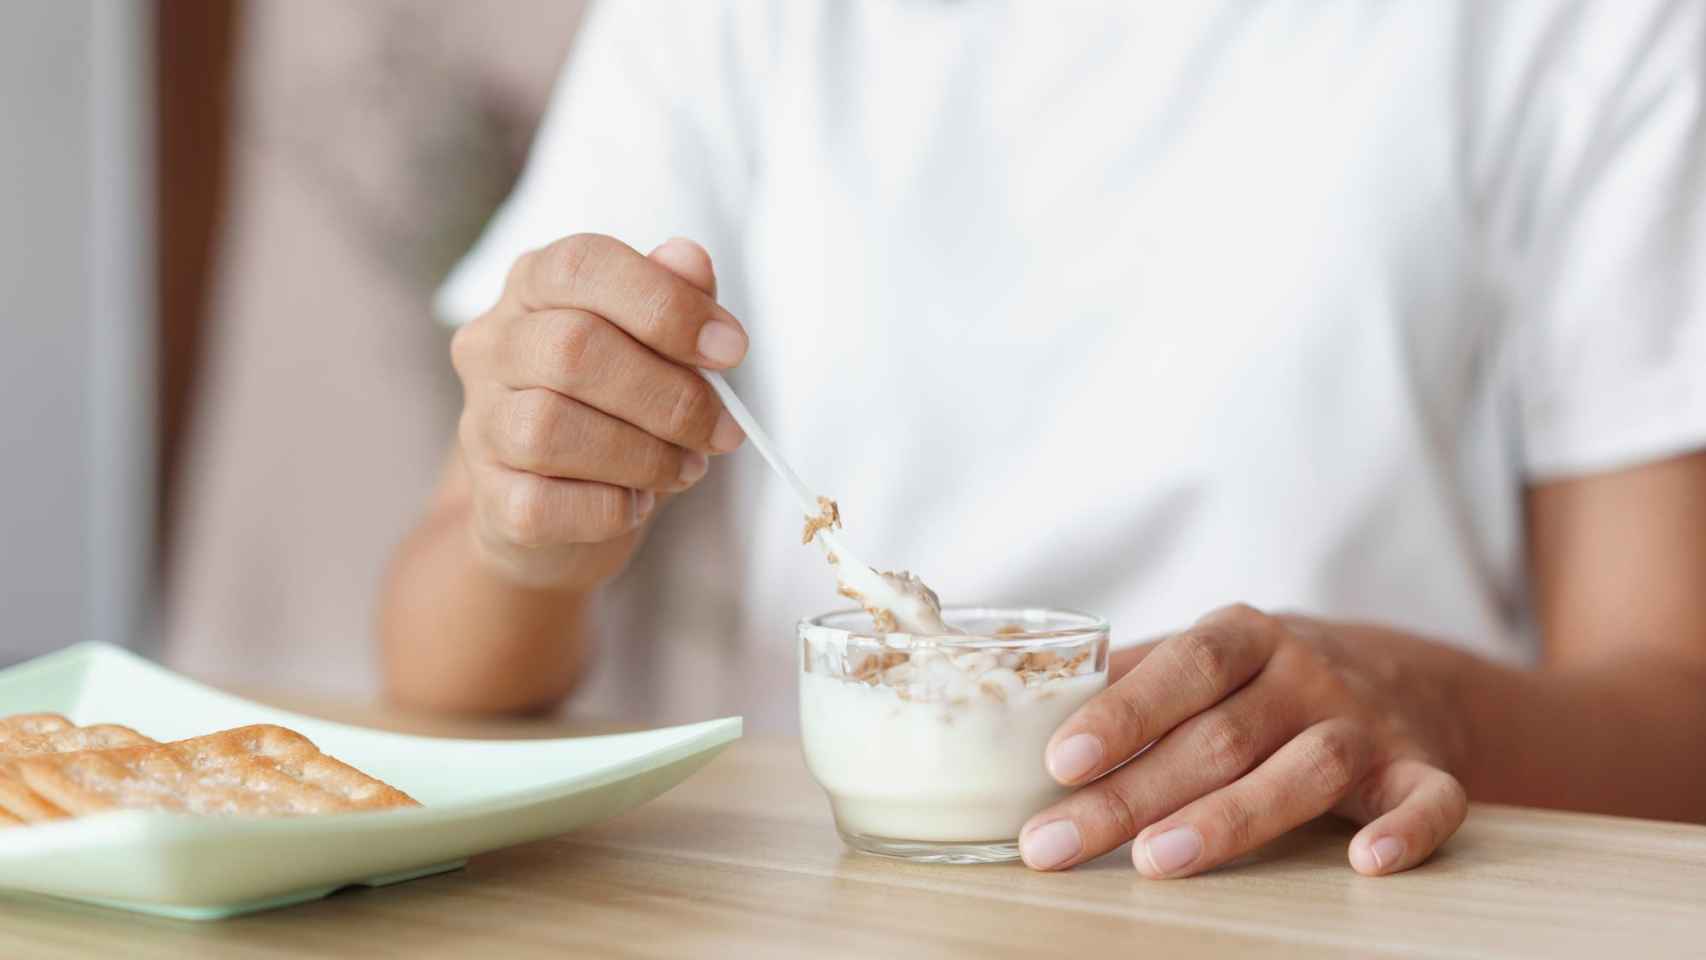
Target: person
(1382,323)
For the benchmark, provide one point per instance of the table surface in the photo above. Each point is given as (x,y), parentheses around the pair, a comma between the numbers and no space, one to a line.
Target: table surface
(742,861)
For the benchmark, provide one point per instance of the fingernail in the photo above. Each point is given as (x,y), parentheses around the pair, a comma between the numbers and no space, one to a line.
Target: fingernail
(644,500)
(721,343)
(677,243)
(727,434)
(1050,845)
(1173,851)
(1387,852)
(693,466)
(1073,758)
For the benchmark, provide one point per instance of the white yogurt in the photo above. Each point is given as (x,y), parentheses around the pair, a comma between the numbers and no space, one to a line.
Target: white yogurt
(908,603)
(938,748)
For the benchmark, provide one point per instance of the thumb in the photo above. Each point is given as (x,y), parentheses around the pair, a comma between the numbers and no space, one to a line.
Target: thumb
(689,261)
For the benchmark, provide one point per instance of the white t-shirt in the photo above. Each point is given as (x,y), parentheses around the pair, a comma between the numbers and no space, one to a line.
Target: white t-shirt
(1142,308)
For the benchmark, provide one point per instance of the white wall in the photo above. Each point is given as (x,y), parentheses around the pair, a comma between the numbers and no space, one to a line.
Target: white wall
(76,465)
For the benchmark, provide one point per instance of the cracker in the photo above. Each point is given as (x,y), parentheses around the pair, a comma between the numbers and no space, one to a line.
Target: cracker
(33,734)
(22,804)
(32,724)
(255,770)
(101,736)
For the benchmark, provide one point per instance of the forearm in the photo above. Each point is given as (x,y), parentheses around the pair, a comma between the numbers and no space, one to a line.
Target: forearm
(1624,739)
(455,635)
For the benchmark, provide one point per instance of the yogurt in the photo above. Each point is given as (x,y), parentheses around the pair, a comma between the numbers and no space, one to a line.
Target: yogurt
(942,743)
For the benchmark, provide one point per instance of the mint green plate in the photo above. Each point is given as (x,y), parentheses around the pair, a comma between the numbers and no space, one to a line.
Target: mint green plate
(476,795)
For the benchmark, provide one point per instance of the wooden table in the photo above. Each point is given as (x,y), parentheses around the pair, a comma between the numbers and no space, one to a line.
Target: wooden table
(742,861)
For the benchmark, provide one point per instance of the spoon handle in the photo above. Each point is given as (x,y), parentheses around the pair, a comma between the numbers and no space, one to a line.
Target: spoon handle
(767,450)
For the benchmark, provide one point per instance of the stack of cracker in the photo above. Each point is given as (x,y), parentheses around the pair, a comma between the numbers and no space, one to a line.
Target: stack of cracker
(51,769)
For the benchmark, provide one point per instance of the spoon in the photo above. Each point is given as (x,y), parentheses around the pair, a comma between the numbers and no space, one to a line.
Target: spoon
(908,600)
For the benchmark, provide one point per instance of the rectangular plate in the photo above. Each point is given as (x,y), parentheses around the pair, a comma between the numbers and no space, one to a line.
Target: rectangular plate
(476,795)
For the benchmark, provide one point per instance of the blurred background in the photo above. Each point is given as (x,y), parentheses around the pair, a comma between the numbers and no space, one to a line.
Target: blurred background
(207,456)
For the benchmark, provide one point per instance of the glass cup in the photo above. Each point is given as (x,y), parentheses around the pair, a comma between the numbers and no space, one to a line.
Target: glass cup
(931,747)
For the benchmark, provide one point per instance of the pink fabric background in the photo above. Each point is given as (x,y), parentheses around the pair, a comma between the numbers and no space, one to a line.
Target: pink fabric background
(371,140)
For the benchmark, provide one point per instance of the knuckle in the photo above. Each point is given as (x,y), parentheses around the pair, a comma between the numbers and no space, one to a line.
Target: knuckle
(523,517)
(1436,808)
(1243,619)
(1236,615)
(535,417)
(1236,821)
(464,348)
(1299,657)
(1369,797)
(1118,809)
(520,269)
(568,263)
(689,414)
(1123,718)
(662,307)
(1228,745)
(1332,756)
(606,512)
(1323,683)
(1453,798)
(569,343)
(1242,611)
(660,464)
(1208,658)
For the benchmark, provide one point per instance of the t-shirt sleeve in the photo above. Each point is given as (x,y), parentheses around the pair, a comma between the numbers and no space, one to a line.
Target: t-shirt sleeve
(650,134)
(1603,218)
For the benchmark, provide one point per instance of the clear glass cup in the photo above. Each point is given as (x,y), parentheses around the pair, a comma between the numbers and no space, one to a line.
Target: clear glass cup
(931,747)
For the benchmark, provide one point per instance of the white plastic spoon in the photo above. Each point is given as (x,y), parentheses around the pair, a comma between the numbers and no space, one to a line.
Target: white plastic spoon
(915,608)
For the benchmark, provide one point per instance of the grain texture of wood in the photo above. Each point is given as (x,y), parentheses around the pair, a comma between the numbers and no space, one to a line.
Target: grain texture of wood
(742,861)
